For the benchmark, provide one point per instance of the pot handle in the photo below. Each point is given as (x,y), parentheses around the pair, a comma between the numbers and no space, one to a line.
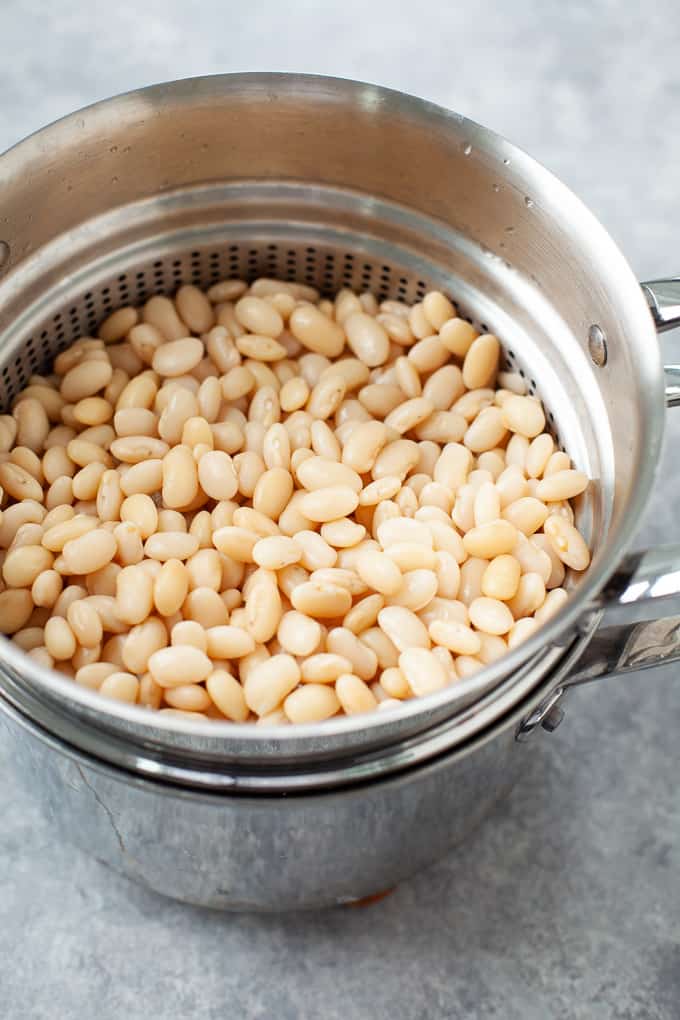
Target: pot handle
(636,622)
(663,298)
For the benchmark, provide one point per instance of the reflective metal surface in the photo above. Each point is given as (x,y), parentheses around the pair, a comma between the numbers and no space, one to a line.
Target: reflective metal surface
(333,182)
(672,374)
(635,624)
(285,776)
(663,298)
(139,193)
(640,617)
(263,853)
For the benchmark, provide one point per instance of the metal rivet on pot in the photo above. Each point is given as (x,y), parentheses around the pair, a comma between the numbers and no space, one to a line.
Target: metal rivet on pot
(4,255)
(597,345)
(553,719)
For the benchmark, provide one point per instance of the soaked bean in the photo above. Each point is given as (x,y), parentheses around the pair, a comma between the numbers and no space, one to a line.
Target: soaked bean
(161,313)
(263,609)
(85,623)
(511,485)
(428,354)
(24,564)
(396,459)
(270,682)
(490,615)
(329,503)
(179,665)
(363,446)
(552,603)
(455,636)
(486,431)
(258,316)
(177,357)
(134,595)
(170,545)
(552,571)
(567,542)
(16,606)
(423,671)
(321,473)
(367,338)
(412,556)
(321,600)
(343,642)
(354,695)
(530,596)
(85,379)
(311,703)
(89,552)
(171,587)
(559,485)
(481,362)
(316,332)
(539,453)
(194,308)
(120,687)
(46,589)
(523,415)
(60,640)
(471,574)
(457,335)
(18,483)
(501,579)
(298,634)
(418,588)
(403,628)
(342,533)
(527,514)
(489,540)
(272,491)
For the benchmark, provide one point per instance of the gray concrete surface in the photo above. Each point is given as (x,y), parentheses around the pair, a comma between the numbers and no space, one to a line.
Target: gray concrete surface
(566,904)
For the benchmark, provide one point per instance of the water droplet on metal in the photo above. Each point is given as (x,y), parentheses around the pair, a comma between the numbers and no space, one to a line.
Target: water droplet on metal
(510,230)
(597,345)
(496,188)
(506,162)
(467,149)
(4,255)
(114,148)
(114,180)
(529,202)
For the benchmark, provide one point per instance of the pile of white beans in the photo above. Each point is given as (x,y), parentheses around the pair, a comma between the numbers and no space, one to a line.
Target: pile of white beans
(255,504)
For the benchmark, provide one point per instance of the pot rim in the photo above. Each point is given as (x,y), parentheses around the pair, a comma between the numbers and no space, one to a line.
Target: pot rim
(420,763)
(514,701)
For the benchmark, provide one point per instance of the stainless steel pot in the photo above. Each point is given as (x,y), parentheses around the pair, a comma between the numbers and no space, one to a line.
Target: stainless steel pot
(336,183)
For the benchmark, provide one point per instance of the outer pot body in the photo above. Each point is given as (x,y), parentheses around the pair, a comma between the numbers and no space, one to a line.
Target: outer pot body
(263,853)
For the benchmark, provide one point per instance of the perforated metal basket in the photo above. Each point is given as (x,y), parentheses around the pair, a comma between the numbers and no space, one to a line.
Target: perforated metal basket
(336,184)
